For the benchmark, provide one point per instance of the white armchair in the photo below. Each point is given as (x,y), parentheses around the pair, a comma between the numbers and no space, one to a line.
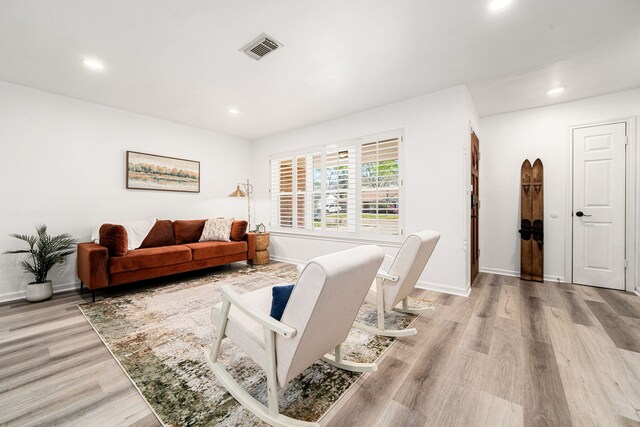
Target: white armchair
(318,316)
(393,287)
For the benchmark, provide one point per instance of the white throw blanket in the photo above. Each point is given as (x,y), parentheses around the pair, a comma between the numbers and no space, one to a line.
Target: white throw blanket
(137,231)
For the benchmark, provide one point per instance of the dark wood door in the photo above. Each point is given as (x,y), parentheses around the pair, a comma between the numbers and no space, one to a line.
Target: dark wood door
(475,206)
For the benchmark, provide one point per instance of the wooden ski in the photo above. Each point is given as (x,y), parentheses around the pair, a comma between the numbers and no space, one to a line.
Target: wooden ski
(537,222)
(526,200)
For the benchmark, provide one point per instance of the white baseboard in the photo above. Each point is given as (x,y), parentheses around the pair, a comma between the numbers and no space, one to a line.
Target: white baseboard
(12,296)
(637,292)
(66,287)
(513,273)
(430,286)
(289,260)
(392,242)
(18,295)
(421,284)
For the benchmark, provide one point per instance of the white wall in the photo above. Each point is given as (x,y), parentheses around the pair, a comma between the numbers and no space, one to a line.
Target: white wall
(508,139)
(63,164)
(436,134)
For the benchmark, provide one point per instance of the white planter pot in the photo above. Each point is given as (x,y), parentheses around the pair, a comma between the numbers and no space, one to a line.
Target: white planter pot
(39,291)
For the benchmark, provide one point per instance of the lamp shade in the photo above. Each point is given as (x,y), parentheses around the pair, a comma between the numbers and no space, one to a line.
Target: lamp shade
(238,193)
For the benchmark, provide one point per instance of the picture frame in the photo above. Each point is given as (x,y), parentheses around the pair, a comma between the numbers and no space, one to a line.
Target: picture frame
(146,171)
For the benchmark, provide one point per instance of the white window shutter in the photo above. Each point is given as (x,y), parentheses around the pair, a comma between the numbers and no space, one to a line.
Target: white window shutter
(346,189)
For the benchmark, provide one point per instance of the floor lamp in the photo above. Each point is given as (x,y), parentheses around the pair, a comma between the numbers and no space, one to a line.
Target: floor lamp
(248,189)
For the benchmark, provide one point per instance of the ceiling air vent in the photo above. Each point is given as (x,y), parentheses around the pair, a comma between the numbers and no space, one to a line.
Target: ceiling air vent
(261,46)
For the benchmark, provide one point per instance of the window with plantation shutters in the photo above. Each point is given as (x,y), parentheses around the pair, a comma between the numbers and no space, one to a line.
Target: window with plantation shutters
(346,189)
(380,187)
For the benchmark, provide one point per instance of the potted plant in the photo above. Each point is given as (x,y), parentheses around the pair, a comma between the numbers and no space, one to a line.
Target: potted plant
(46,251)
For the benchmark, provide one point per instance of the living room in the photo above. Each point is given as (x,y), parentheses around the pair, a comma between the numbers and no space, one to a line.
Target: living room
(84,85)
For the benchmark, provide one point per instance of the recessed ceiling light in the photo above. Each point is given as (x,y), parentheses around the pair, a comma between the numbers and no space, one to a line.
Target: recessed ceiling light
(93,64)
(233,111)
(496,5)
(556,90)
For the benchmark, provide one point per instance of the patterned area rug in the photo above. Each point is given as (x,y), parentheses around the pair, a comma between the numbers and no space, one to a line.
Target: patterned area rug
(158,336)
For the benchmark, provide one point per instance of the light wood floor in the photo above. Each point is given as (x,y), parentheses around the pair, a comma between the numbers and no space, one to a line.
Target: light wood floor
(513,353)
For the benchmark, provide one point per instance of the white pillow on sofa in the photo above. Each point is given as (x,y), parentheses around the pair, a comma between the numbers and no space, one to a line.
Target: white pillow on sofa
(217,229)
(137,231)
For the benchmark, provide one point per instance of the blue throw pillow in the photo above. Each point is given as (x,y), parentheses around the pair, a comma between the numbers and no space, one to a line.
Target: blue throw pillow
(280,297)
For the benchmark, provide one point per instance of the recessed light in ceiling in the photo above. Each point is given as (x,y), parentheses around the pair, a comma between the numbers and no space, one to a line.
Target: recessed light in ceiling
(556,90)
(497,5)
(233,111)
(93,64)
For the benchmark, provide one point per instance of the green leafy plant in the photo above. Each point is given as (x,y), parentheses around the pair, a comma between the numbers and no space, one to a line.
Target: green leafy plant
(46,251)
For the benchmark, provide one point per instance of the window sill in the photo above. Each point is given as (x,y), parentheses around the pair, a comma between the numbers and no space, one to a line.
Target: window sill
(388,241)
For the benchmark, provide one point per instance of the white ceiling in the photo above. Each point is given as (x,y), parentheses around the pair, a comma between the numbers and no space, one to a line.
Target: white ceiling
(179,59)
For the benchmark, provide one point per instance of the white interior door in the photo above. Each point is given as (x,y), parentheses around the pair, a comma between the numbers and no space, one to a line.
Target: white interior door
(599,205)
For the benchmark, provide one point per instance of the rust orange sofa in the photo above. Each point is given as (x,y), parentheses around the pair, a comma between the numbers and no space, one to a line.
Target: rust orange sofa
(170,247)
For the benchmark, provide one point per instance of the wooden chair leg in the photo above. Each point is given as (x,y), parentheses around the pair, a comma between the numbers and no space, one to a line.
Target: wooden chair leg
(380,329)
(249,402)
(270,413)
(380,303)
(337,361)
(385,332)
(408,310)
(214,351)
(272,380)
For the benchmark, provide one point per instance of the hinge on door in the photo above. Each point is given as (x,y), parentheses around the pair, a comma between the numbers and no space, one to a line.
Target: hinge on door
(402,232)
(625,264)
(626,140)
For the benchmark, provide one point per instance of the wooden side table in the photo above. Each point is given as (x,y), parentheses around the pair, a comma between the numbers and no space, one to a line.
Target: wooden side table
(262,248)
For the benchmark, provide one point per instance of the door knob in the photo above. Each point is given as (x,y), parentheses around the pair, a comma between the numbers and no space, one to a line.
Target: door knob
(580,213)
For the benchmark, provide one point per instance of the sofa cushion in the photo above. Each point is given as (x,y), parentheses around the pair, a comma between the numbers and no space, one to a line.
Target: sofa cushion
(216,230)
(149,258)
(160,235)
(206,250)
(238,229)
(114,238)
(188,231)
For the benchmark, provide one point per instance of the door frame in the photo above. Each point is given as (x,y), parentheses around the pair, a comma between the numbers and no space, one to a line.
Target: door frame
(475,190)
(632,165)
(466,206)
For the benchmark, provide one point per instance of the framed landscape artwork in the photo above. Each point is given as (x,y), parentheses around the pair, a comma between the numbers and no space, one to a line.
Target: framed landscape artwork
(153,172)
